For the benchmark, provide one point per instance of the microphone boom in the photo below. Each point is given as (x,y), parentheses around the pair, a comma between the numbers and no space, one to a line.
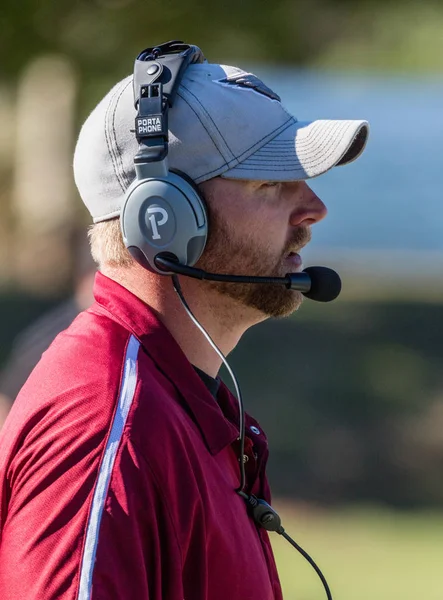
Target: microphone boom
(316,283)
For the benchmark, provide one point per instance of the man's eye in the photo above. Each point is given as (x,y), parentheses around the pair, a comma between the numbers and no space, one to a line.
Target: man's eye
(272,183)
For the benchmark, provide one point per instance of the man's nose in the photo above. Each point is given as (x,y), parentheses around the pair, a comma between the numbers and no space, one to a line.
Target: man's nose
(309,210)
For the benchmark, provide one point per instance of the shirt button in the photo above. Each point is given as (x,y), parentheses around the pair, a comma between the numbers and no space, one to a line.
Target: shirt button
(245,458)
(255,429)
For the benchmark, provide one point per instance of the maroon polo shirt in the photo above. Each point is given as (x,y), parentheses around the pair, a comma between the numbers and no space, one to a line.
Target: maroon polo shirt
(118,469)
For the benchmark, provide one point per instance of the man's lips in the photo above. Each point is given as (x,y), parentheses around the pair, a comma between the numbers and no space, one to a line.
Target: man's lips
(294,260)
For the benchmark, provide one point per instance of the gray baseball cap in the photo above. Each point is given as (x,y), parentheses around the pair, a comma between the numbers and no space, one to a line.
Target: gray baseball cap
(224,122)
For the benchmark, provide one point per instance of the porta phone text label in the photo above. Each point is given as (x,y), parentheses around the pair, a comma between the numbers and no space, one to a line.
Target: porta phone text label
(149,125)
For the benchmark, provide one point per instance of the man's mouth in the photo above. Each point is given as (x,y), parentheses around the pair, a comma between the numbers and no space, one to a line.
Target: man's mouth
(295,260)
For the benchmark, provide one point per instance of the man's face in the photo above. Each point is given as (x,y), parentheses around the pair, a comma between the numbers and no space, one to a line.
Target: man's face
(258,228)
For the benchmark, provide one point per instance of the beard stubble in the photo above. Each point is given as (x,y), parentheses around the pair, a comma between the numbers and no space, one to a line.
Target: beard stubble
(226,254)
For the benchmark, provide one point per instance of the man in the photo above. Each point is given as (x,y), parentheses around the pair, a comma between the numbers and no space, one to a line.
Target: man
(120,457)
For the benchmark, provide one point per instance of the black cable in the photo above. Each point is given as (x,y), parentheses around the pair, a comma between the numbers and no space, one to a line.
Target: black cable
(310,561)
(241,439)
(251,500)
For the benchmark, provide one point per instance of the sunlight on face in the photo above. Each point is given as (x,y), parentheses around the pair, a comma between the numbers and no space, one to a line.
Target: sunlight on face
(249,234)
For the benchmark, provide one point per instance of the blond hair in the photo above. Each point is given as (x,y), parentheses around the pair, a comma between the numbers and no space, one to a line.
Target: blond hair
(106,241)
(107,247)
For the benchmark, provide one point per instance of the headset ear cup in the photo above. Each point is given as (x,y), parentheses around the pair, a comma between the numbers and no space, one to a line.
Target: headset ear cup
(191,182)
(199,196)
(164,215)
(194,186)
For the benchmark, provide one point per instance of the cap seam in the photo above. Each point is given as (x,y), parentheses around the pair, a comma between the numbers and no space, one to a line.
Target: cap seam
(314,154)
(274,134)
(124,175)
(109,141)
(317,131)
(238,162)
(203,125)
(318,151)
(309,163)
(274,169)
(341,129)
(225,158)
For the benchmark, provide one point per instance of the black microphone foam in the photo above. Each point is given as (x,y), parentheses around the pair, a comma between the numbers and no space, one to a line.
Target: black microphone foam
(325,284)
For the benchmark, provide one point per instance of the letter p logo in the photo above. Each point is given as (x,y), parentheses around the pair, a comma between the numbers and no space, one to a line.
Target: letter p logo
(153,211)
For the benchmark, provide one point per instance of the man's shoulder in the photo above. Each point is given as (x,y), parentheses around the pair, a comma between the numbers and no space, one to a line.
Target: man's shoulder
(93,373)
(84,382)
(88,367)
(80,370)
(95,333)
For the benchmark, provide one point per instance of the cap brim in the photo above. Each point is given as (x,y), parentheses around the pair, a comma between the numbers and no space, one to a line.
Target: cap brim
(303,151)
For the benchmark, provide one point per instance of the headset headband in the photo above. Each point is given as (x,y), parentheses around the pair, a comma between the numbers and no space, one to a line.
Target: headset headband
(157,75)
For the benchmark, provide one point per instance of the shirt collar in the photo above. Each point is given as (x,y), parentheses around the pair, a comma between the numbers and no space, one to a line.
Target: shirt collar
(139,318)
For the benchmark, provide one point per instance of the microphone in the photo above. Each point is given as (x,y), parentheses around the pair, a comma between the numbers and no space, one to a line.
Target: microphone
(316,283)
(325,284)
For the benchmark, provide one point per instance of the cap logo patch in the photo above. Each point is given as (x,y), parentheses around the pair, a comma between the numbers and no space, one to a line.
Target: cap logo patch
(251,82)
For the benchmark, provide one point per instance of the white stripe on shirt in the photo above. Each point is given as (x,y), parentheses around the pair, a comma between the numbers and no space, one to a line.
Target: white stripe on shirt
(126,396)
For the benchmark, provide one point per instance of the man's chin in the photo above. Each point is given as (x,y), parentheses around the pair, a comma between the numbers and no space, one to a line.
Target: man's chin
(264,300)
(274,302)
(287,309)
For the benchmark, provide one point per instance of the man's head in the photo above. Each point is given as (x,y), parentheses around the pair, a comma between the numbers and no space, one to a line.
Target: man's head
(231,135)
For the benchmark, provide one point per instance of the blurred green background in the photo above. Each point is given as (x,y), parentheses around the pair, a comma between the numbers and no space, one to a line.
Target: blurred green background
(350,394)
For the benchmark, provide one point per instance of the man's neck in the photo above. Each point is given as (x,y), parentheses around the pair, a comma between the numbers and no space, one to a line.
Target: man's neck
(224,319)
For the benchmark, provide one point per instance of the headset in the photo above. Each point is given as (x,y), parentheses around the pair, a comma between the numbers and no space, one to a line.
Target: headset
(165,226)
(163,212)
